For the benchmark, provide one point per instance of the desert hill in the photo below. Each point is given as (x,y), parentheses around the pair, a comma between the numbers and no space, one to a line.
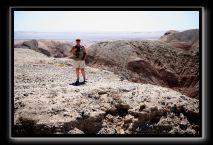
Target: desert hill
(151,61)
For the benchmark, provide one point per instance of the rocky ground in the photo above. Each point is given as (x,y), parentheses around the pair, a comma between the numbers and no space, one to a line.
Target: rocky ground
(46,103)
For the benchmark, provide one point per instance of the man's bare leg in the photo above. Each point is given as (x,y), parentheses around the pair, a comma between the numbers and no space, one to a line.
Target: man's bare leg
(77,70)
(83,73)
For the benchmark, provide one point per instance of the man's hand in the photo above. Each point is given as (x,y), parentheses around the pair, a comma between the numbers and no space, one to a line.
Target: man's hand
(73,50)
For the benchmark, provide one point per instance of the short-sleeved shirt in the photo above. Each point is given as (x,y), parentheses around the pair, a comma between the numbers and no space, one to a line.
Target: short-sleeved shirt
(79,52)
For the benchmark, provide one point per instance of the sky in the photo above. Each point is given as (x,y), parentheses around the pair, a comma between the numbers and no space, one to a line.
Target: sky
(107,21)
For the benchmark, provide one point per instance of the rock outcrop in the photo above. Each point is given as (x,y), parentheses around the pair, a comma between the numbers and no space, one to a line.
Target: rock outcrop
(188,39)
(57,49)
(154,62)
(45,103)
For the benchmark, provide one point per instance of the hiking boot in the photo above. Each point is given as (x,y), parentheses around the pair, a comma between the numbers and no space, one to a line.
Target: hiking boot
(84,81)
(77,82)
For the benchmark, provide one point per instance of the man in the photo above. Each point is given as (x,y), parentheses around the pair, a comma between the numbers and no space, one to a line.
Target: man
(79,54)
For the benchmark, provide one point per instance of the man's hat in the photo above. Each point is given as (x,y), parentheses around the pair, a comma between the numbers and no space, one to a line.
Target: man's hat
(77,39)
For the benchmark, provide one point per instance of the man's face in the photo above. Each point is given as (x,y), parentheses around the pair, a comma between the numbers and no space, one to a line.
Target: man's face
(78,42)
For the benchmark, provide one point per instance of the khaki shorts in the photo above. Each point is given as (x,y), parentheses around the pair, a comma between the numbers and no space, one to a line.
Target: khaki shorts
(79,64)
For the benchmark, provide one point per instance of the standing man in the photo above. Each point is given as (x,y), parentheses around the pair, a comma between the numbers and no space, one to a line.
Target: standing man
(79,54)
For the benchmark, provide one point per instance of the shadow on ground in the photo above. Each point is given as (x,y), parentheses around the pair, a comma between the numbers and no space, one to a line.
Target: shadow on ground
(78,84)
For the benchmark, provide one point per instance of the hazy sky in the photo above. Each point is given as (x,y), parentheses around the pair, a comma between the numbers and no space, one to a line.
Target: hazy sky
(132,21)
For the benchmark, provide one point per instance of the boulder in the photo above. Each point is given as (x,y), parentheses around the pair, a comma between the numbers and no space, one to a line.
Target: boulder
(107,131)
(75,131)
(33,44)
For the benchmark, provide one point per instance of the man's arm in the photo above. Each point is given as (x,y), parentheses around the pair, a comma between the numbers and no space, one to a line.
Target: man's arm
(72,50)
(85,53)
